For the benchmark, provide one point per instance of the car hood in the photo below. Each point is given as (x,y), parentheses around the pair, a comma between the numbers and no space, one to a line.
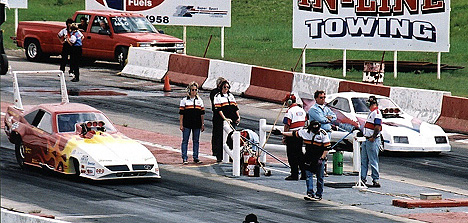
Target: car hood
(112,149)
(150,37)
(406,125)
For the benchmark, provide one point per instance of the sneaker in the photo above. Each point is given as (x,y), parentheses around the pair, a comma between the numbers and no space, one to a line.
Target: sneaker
(197,161)
(291,177)
(71,74)
(309,197)
(75,80)
(318,198)
(375,183)
(185,162)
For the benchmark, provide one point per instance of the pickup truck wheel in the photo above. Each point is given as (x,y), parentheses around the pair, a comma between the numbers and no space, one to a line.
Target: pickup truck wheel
(121,55)
(19,152)
(33,51)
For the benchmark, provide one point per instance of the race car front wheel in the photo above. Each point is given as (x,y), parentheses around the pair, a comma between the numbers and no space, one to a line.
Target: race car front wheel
(19,152)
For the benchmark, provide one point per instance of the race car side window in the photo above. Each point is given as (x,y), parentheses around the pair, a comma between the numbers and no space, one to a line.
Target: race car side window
(340,104)
(31,116)
(45,122)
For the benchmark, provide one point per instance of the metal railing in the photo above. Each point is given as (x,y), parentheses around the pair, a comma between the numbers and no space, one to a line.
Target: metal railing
(235,153)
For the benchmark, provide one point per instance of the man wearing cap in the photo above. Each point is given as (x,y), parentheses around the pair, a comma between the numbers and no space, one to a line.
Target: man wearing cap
(317,144)
(370,148)
(294,120)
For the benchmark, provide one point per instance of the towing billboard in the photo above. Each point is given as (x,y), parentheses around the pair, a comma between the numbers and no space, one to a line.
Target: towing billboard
(393,25)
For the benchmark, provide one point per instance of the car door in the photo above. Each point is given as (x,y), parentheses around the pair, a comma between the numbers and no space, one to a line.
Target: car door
(40,141)
(98,44)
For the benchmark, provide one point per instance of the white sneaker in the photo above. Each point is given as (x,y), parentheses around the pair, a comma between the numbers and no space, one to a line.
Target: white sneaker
(71,74)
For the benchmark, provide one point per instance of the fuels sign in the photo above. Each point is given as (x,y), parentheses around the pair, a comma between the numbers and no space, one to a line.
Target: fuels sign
(172,12)
(401,25)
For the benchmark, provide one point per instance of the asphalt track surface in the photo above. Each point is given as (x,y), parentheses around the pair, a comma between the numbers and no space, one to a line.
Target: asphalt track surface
(180,197)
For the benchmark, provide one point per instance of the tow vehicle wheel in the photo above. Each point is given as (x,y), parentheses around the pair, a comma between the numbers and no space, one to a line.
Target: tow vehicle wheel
(19,152)
(121,56)
(33,51)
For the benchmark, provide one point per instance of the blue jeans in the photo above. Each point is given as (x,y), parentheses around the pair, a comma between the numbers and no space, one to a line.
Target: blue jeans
(195,140)
(370,156)
(310,181)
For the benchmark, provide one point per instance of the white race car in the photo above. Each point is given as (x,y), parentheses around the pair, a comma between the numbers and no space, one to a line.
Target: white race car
(400,131)
(75,139)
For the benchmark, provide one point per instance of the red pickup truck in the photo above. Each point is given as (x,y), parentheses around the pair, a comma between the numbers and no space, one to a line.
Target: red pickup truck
(39,39)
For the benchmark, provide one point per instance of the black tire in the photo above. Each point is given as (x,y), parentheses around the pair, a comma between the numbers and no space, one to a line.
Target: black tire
(33,50)
(3,64)
(121,56)
(76,166)
(19,153)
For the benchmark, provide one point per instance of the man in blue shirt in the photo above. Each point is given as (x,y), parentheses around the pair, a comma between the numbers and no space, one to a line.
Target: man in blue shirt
(321,113)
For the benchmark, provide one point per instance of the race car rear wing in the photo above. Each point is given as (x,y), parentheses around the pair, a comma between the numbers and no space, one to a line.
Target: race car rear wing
(16,93)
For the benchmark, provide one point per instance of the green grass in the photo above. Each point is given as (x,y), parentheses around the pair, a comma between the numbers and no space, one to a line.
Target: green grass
(261,34)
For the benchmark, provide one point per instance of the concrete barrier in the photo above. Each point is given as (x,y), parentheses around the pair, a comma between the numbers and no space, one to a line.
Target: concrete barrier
(306,84)
(454,114)
(269,84)
(423,104)
(15,217)
(184,69)
(346,86)
(146,63)
(237,74)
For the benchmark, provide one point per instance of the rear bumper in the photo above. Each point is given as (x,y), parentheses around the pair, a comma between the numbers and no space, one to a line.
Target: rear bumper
(417,148)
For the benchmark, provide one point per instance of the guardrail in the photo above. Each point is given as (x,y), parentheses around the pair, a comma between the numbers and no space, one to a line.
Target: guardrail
(235,153)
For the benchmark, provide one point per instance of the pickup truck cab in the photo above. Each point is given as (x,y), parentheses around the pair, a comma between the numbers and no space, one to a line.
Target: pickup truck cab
(107,36)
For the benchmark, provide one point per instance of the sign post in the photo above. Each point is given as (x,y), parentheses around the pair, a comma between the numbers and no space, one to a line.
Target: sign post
(17,4)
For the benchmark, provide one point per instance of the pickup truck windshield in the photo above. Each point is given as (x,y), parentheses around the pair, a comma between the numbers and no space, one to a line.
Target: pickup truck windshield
(132,25)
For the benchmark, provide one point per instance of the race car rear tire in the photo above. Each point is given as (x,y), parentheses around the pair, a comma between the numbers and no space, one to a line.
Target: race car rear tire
(19,153)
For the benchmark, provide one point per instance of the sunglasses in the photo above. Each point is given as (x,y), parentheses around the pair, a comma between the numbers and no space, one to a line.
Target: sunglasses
(226,87)
(193,89)
(322,97)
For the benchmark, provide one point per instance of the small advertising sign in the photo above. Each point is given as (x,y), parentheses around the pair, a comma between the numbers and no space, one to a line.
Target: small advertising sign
(18,4)
(215,13)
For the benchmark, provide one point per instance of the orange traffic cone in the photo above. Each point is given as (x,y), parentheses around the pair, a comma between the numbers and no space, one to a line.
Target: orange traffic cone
(167,86)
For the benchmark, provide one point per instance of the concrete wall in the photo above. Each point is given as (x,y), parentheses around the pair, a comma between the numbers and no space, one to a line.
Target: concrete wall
(237,74)
(271,84)
(306,84)
(146,63)
(423,104)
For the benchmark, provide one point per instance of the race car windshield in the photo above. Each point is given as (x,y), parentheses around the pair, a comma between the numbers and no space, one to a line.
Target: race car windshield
(132,25)
(360,106)
(66,122)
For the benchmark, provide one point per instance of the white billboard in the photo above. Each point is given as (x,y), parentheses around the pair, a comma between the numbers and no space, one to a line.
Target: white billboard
(18,4)
(216,13)
(393,25)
